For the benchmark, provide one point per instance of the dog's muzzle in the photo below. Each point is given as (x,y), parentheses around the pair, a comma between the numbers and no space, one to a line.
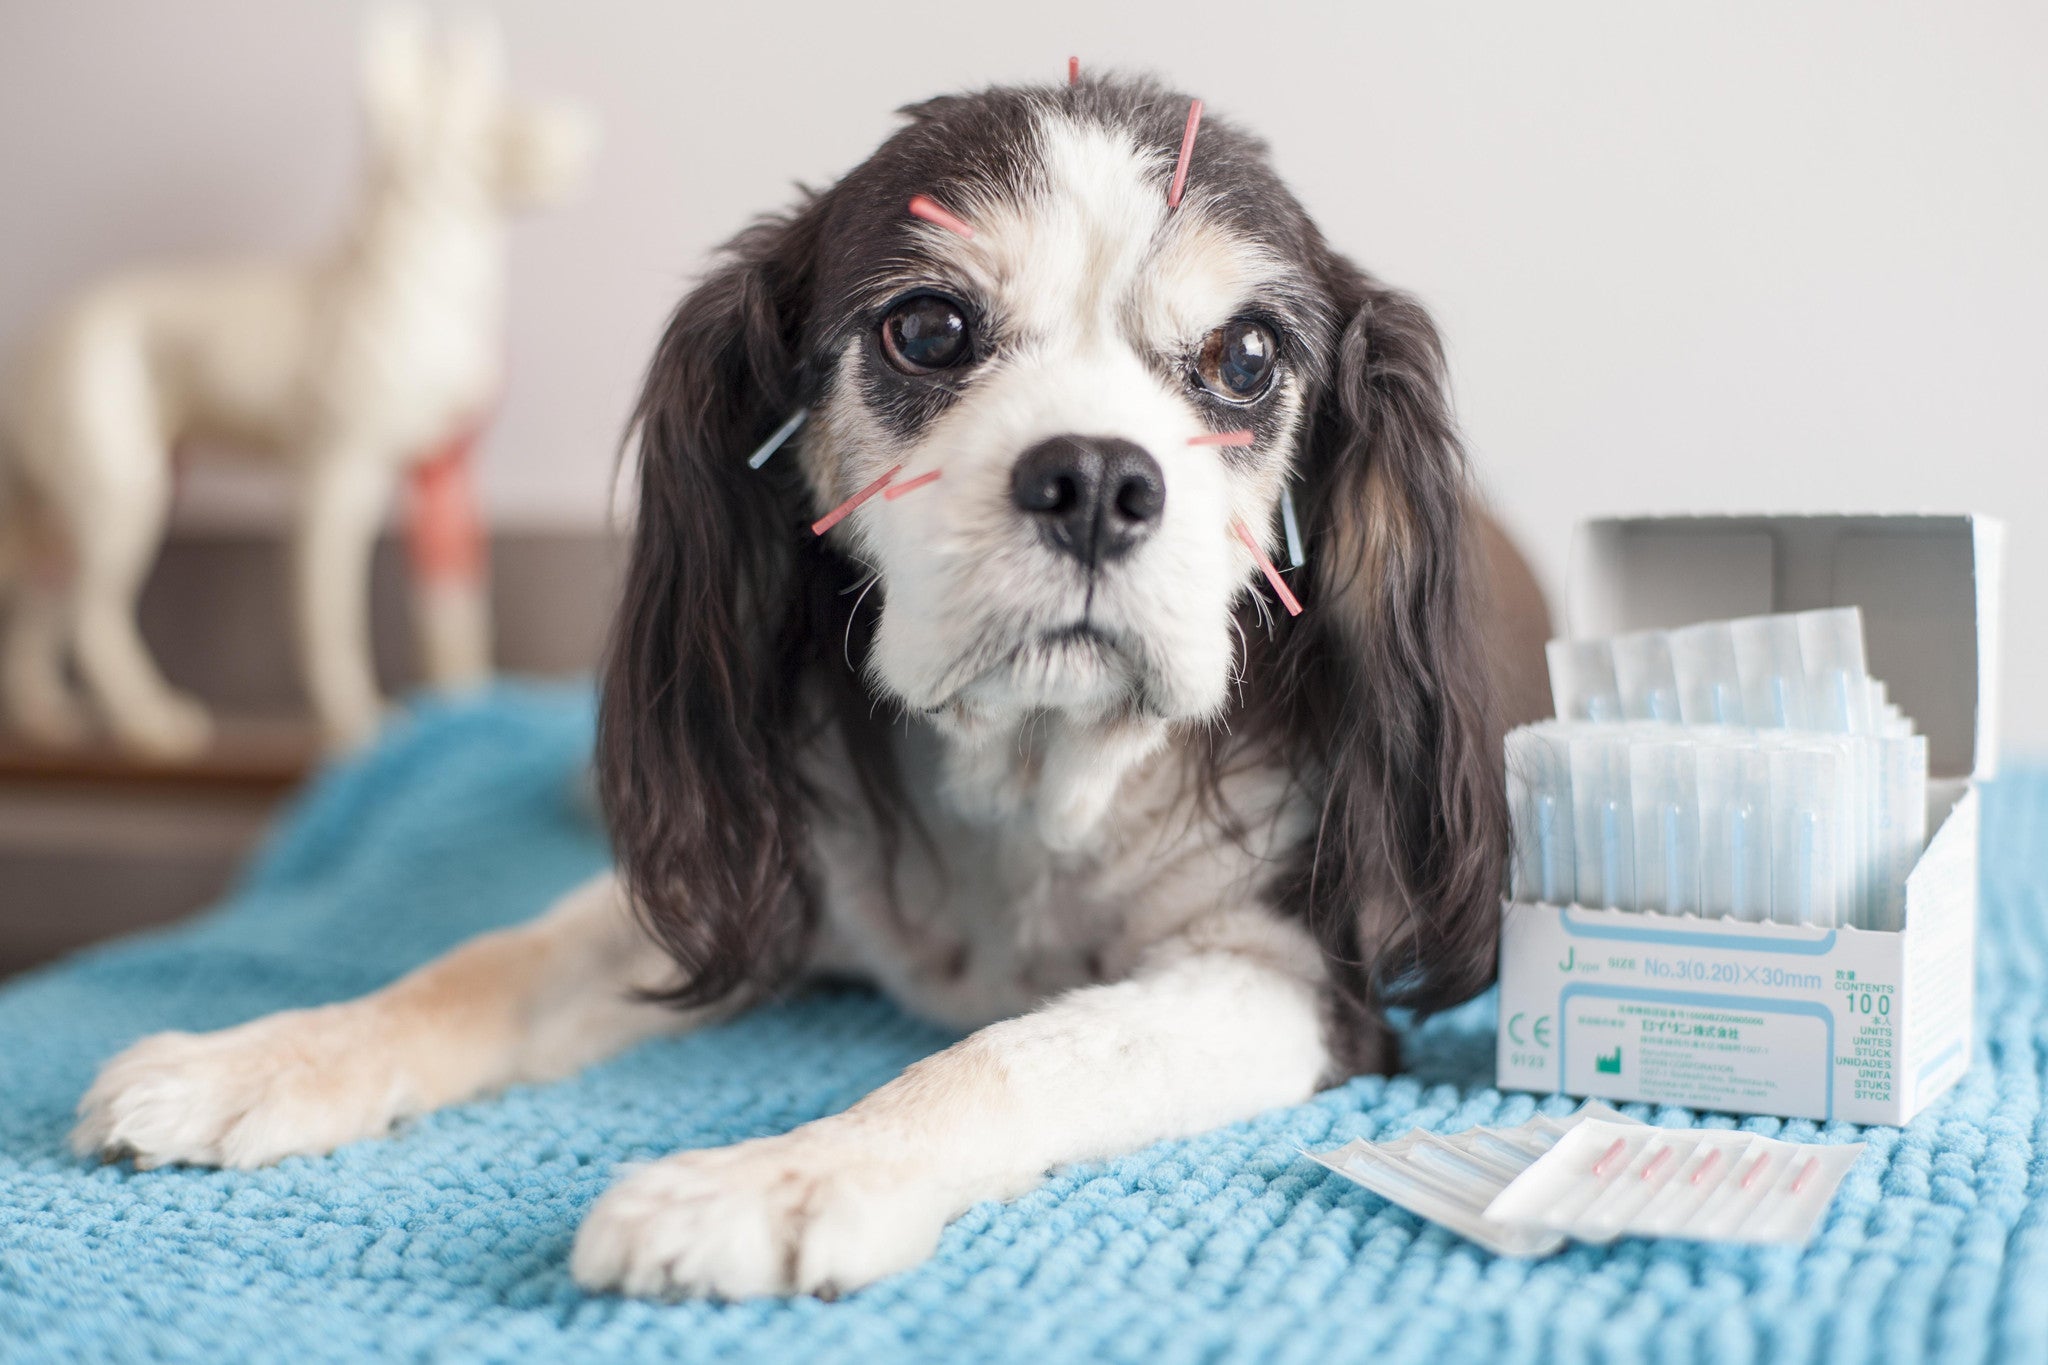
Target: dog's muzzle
(1094,498)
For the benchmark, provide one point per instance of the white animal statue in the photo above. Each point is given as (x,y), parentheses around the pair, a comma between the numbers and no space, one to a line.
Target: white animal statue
(353,369)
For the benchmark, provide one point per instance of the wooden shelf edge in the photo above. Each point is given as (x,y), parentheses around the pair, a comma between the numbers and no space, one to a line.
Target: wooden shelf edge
(249,755)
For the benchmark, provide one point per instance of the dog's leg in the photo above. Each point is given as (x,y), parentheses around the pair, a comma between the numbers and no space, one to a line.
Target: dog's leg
(39,697)
(1216,1028)
(527,1004)
(446,545)
(344,498)
(116,531)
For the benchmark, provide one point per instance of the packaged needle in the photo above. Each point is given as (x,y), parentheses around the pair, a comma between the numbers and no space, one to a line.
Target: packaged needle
(1597,1175)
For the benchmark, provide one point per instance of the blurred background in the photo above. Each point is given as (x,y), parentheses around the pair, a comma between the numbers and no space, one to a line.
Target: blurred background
(1731,257)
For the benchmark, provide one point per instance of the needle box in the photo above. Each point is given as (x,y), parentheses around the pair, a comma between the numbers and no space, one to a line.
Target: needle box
(1866,1026)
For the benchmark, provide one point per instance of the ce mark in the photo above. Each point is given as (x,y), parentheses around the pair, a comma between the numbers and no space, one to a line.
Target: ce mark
(1522,1035)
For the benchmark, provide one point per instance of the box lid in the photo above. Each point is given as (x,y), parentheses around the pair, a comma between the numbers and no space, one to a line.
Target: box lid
(1928,587)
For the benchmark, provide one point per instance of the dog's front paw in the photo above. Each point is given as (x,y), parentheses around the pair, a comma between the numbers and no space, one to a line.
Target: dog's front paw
(301,1081)
(810,1212)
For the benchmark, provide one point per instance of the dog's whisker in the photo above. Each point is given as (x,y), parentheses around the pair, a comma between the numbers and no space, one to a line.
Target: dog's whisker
(1265,616)
(911,485)
(1279,584)
(840,513)
(1224,438)
(923,206)
(846,645)
(1187,150)
(1241,661)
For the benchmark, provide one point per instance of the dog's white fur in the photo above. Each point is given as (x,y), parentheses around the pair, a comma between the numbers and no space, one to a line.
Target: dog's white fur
(1075,270)
(349,368)
(1129,979)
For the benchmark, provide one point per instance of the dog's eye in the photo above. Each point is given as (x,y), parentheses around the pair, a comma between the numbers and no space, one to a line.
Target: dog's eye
(924,333)
(1237,361)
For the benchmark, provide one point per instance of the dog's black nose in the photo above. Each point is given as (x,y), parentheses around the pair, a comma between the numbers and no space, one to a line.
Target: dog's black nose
(1093,497)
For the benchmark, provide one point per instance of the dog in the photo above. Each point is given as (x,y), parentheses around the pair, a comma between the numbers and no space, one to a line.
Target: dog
(1025,746)
(352,369)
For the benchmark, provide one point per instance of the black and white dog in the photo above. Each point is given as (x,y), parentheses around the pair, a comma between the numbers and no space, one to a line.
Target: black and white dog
(1026,745)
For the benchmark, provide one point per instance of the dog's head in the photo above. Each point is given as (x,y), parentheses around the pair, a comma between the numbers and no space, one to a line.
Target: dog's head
(1082,553)
(442,125)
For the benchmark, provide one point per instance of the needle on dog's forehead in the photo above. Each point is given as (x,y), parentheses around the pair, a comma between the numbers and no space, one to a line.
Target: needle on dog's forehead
(925,207)
(1187,150)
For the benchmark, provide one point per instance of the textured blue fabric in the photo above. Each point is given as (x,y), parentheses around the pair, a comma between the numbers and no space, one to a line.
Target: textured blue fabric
(450,1240)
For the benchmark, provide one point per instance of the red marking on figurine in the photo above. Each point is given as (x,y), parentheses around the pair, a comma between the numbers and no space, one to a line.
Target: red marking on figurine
(839,513)
(922,207)
(912,485)
(1187,149)
(445,537)
(1224,438)
(1073,71)
(1280,590)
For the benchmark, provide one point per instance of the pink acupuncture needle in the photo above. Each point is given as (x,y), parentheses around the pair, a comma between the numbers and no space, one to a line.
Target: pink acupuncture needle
(1279,584)
(927,208)
(1608,1158)
(839,513)
(1187,150)
(1224,438)
(1699,1172)
(896,491)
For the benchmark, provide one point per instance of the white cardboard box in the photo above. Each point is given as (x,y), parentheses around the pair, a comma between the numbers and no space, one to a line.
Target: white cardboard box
(1860,1025)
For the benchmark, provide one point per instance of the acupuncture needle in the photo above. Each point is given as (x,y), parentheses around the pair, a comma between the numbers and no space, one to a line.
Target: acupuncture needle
(1520,1156)
(1657,1163)
(1805,1175)
(1465,1164)
(1606,1162)
(1763,1159)
(1699,1172)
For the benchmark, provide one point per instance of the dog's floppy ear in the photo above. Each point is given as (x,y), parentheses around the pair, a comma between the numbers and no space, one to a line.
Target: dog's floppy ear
(1390,701)
(701,709)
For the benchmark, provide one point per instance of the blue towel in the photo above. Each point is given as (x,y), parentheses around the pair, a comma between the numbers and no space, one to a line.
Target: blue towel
(450,1240)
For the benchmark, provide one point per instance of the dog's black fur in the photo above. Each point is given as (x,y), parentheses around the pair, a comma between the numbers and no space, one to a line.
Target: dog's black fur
(726,660)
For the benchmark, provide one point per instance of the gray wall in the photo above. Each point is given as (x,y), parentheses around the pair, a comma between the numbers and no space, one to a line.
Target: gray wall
(1755,257)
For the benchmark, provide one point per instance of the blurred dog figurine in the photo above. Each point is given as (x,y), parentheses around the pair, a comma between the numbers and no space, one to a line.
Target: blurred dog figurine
(355,366)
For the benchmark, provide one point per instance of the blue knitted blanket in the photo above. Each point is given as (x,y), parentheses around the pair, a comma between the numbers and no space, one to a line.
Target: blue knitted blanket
(450,1240)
